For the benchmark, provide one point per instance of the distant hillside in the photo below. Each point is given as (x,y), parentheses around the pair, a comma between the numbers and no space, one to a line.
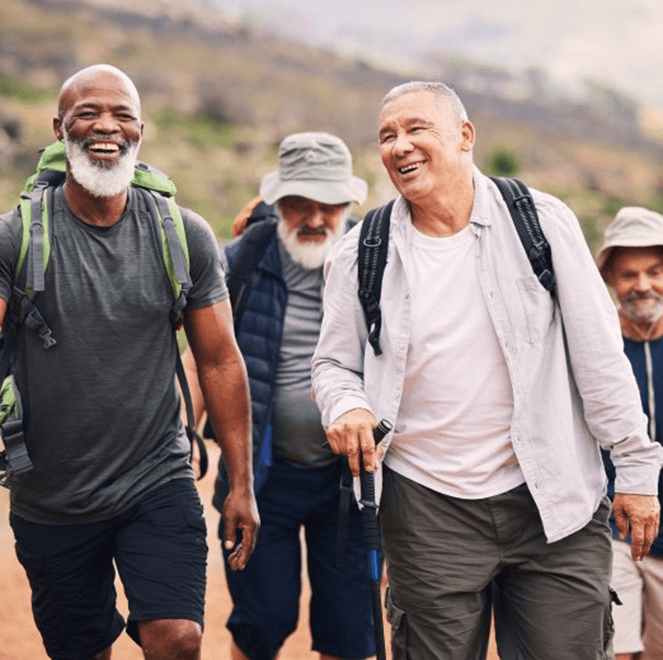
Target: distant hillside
(218,96)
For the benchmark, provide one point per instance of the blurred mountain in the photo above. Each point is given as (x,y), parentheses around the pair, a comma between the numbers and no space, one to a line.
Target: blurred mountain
(219,92)
(614,43)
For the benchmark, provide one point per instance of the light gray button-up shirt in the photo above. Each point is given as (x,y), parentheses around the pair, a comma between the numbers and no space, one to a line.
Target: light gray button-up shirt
(573,387)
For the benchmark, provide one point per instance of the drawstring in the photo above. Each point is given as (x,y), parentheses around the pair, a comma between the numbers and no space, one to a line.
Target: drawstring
(650,391)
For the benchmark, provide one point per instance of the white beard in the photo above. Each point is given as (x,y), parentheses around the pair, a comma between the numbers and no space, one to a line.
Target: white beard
(102,179)
(638,314)
(308,254)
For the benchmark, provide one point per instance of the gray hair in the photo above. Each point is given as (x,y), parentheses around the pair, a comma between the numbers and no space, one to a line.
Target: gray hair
(442,91)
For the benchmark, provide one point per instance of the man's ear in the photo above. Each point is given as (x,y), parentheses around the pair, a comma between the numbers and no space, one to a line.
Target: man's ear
(57,128)
(467,134)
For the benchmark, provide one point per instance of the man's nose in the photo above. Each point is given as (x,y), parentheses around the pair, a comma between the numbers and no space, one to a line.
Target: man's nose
(105,123)
(402,144)
(315,219)
(643,283)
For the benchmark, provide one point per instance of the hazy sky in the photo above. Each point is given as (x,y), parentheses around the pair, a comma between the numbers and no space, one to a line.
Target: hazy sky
(617,42)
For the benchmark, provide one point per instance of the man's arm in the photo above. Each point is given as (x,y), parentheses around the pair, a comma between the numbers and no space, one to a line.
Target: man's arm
(224,385)
(604,377)
(338,362)
(3,311)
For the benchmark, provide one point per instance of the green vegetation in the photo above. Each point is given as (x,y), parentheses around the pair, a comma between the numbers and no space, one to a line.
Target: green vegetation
(503,161)
(206,133)
(13,88)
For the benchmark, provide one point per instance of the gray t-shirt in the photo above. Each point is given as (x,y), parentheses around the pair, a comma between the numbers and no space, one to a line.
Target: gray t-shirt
(298,435)
(104,420)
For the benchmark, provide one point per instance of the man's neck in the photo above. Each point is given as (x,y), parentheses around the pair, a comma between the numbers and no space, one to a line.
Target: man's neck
(96,211)
(445,215)
(641,331)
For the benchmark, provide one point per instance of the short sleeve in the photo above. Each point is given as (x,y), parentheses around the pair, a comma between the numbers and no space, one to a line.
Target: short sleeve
(208,282)
(10,247)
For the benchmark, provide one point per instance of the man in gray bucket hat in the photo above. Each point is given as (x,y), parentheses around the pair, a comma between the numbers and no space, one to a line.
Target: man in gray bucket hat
(305,208)
(631,263)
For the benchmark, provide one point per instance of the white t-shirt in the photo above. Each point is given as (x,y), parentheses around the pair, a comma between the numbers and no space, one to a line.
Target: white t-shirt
(452,430)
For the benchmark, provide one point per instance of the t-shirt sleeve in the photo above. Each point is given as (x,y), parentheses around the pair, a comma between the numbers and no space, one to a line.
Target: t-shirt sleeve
(208,282)
(10,246)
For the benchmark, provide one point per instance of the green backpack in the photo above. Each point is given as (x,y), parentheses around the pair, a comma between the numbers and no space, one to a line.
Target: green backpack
(34,208)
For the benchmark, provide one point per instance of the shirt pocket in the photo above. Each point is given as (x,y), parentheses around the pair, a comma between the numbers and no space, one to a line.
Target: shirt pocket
(538,307)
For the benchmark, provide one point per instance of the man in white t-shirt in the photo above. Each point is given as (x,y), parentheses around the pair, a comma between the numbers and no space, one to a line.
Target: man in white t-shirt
(500,395)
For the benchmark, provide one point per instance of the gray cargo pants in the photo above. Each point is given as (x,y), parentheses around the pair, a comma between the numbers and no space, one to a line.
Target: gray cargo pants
(448,558)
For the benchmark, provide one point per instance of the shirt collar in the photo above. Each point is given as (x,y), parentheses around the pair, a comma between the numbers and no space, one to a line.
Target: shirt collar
(481,208)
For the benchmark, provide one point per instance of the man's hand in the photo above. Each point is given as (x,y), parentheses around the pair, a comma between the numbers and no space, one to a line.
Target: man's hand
(641,513)
(240,512)
(351,434)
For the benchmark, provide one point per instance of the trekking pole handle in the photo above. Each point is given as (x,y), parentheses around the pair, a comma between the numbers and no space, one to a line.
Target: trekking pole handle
(381,430)
(366,478)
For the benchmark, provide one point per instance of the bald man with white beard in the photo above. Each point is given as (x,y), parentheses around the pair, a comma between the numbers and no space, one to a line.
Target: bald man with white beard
(111,484)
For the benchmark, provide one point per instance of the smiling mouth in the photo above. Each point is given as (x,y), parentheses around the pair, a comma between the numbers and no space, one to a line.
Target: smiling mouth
(408,169)
(104,148)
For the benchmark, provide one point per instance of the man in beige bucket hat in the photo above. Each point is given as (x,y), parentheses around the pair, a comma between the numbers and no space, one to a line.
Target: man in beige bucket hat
(631,263)
(305,209)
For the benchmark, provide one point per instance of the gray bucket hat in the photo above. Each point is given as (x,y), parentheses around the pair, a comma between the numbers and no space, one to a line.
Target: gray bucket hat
(317,166)
(633,226)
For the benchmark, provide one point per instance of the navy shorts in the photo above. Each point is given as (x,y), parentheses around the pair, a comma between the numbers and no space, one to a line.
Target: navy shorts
(160,549)
(266,593)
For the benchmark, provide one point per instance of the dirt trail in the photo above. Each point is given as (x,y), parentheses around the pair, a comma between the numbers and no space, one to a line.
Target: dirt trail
(19,639)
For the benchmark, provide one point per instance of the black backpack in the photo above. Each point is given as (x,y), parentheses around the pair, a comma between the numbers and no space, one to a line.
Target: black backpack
(374,241)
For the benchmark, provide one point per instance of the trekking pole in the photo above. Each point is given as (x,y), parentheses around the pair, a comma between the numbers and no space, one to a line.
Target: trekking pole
(372,540)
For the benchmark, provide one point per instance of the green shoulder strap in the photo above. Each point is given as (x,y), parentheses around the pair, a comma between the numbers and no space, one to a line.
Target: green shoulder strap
(36,202)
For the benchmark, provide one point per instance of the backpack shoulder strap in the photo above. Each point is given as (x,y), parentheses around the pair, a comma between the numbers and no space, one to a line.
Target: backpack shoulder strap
(242,267)
(526,220)
(372,259)
(169,228)
(36,208)
(171,237)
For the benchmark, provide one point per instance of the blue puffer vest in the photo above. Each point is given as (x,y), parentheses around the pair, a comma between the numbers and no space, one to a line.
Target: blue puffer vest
(259,338)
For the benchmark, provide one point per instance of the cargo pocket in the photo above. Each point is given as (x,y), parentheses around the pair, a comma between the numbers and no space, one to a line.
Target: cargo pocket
(399,635)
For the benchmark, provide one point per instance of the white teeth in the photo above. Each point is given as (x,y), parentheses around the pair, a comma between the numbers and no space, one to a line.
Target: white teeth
(408,168)
(104,146)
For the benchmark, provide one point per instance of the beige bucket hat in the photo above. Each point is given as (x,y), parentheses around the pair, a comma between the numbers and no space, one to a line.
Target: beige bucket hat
(633,226)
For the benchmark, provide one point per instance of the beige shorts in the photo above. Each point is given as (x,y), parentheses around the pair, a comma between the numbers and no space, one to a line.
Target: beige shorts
(639,620)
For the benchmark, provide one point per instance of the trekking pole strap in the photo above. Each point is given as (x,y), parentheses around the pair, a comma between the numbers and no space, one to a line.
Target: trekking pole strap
(343,519)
